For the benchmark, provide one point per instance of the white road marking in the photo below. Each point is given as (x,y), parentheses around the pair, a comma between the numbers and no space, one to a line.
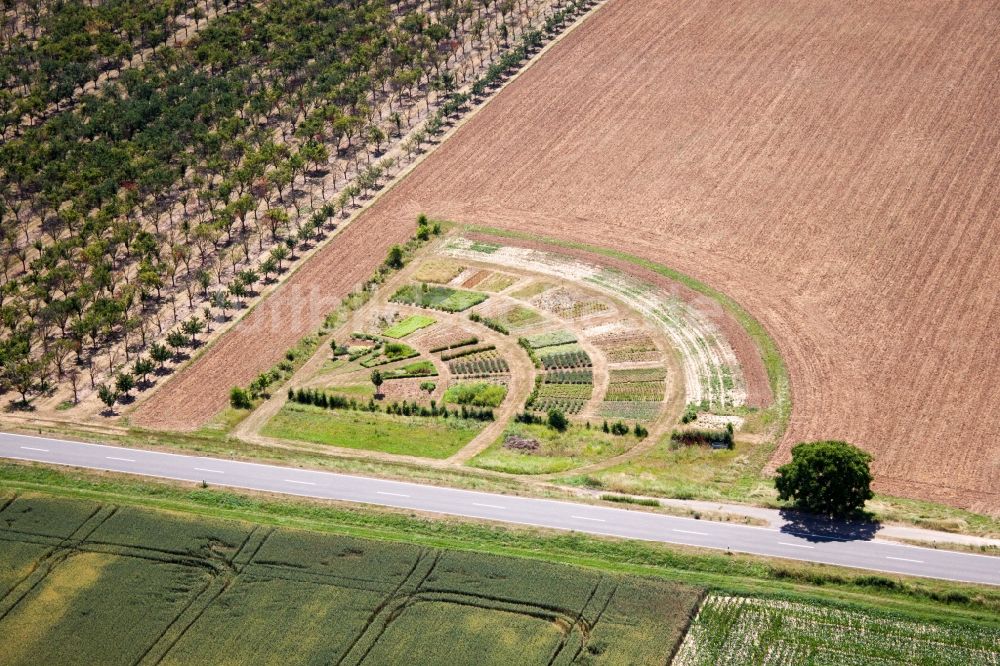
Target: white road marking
(213,471)
(795,545)
(121,459)
(904,559)
(379,492)
(489,506)
(596,520)
(304,483)
(31,448)
(690,532)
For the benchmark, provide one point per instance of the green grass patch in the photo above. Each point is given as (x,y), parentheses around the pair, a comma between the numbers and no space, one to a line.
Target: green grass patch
(407,326)
(479,394)
(687,472)
(438,298)
(518,317)
(550,339)
(372,431)
(531,290)
(390,352)
(557,451)
(419,369)
(355,390)
(438,270)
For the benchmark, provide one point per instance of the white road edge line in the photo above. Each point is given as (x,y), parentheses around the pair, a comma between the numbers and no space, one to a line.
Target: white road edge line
(903,559)
(690,532)
(213,471)
(31,448)
(794,545)
(121,459)
(489,506)
(190,457)
(596,520)
(380,492)
(304,483)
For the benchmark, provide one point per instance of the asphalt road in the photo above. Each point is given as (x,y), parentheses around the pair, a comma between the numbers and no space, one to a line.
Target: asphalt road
(606,521)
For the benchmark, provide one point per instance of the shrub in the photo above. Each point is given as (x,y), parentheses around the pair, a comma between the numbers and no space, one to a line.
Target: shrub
(394,259)
(239,398)
(557,420)
(619,428)
(703,436)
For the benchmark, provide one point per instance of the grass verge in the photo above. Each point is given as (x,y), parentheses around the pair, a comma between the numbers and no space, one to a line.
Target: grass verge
(426,437)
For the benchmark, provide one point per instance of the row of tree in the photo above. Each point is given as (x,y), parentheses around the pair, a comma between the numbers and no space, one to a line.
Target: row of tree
(99,279)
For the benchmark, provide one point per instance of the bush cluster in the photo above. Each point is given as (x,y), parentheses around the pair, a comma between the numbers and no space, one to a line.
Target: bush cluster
(319,398)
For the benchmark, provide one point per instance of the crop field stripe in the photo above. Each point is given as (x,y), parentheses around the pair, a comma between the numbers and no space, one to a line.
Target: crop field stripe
(421,557)
(51,559)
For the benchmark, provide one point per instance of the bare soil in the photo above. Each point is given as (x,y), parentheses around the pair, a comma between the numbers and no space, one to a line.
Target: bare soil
(835,169)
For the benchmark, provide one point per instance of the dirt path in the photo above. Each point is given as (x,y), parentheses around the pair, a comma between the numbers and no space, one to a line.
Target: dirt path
(522,381)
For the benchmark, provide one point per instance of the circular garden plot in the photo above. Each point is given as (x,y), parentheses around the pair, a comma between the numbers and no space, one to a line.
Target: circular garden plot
(513,359)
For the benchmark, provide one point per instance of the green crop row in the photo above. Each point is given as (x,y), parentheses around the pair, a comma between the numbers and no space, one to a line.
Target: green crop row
(635,391)
(549,339)
(438,297)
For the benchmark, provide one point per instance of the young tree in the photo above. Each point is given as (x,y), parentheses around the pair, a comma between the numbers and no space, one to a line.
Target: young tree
(830,477)
(108,396)
(377,381)
(124,383)
(279,253)
(73,374)
(142,368)
(24,376)
(159,353)
(177,340)
(221,301)
(268,266)
(193,327)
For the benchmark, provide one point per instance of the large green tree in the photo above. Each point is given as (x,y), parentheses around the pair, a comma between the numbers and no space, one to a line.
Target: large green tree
(830,477)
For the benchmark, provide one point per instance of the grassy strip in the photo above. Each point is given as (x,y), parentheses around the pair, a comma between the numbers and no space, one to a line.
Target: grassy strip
(926,600)
(428,437)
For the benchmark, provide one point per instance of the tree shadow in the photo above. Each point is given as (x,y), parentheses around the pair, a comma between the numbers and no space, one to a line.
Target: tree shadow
(812,527)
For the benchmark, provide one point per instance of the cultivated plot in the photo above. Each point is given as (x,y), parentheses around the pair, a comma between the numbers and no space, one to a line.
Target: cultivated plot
(164,588)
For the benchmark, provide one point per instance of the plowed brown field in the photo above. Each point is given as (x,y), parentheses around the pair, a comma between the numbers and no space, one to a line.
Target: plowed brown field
(835,167)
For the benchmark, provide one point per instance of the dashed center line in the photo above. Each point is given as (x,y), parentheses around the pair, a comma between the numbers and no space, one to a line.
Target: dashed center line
(795,545)
(596,520)
(380,492)
(690,532)
(121,459)
(489,506)
(904,559)
(304,483)
(213,471)
(32,448)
